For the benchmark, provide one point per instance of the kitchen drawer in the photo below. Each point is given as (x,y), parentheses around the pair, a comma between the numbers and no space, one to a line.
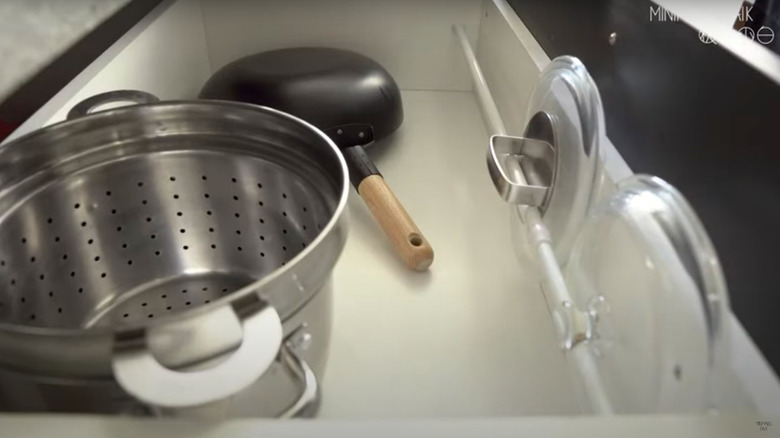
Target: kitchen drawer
(472,337)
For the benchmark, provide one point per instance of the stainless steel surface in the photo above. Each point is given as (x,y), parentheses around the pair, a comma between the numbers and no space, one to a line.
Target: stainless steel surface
(523,169)
(307,335)
(290,359)
(22,392)
(94,103)
(509,156)
(309,400)
(128,221)
(138,370)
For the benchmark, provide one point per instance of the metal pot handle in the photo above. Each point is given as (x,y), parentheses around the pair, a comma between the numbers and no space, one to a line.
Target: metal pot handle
(309,400)
(88,105)
(140,374)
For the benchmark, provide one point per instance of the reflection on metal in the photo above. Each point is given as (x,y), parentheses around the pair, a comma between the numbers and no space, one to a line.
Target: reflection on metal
(523,169)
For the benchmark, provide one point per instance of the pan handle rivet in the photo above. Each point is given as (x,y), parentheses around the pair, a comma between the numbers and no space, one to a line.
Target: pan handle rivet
(361,135)
(339,132)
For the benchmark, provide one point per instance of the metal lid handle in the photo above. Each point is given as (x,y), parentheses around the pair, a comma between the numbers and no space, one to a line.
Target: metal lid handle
(512,160)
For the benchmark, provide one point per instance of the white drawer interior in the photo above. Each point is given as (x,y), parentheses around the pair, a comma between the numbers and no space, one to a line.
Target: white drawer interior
(473,336)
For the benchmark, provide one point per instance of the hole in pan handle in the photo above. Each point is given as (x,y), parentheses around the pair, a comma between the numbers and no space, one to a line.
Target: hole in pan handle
(402,232)
(139,372)
(92,104)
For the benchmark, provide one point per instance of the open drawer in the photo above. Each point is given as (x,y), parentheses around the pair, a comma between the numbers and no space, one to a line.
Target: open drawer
(472,337)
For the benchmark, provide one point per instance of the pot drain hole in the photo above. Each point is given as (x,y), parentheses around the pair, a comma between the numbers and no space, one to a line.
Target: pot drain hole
(145,237)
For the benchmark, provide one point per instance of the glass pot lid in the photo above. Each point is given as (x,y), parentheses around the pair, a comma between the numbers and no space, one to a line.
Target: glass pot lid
(646,274)
(565,111)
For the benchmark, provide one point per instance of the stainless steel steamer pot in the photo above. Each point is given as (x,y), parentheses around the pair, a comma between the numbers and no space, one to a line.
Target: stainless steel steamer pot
(175,252)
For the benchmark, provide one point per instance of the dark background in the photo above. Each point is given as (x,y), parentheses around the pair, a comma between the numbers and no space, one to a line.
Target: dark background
(696,116)
(688,112)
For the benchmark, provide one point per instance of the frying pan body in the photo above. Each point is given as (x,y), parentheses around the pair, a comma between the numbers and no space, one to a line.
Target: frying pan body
(353,100)
(335,90)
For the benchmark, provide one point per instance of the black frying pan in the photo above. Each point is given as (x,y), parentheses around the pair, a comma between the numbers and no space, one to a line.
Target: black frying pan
(351,98)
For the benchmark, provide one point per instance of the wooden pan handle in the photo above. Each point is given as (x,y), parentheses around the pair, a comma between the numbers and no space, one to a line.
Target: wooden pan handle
(406,238)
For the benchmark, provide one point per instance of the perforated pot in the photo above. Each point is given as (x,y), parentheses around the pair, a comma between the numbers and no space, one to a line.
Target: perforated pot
(141,240)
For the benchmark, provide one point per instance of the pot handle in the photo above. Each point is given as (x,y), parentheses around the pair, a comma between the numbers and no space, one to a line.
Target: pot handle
(309,400)
(90,104)
(140,374)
